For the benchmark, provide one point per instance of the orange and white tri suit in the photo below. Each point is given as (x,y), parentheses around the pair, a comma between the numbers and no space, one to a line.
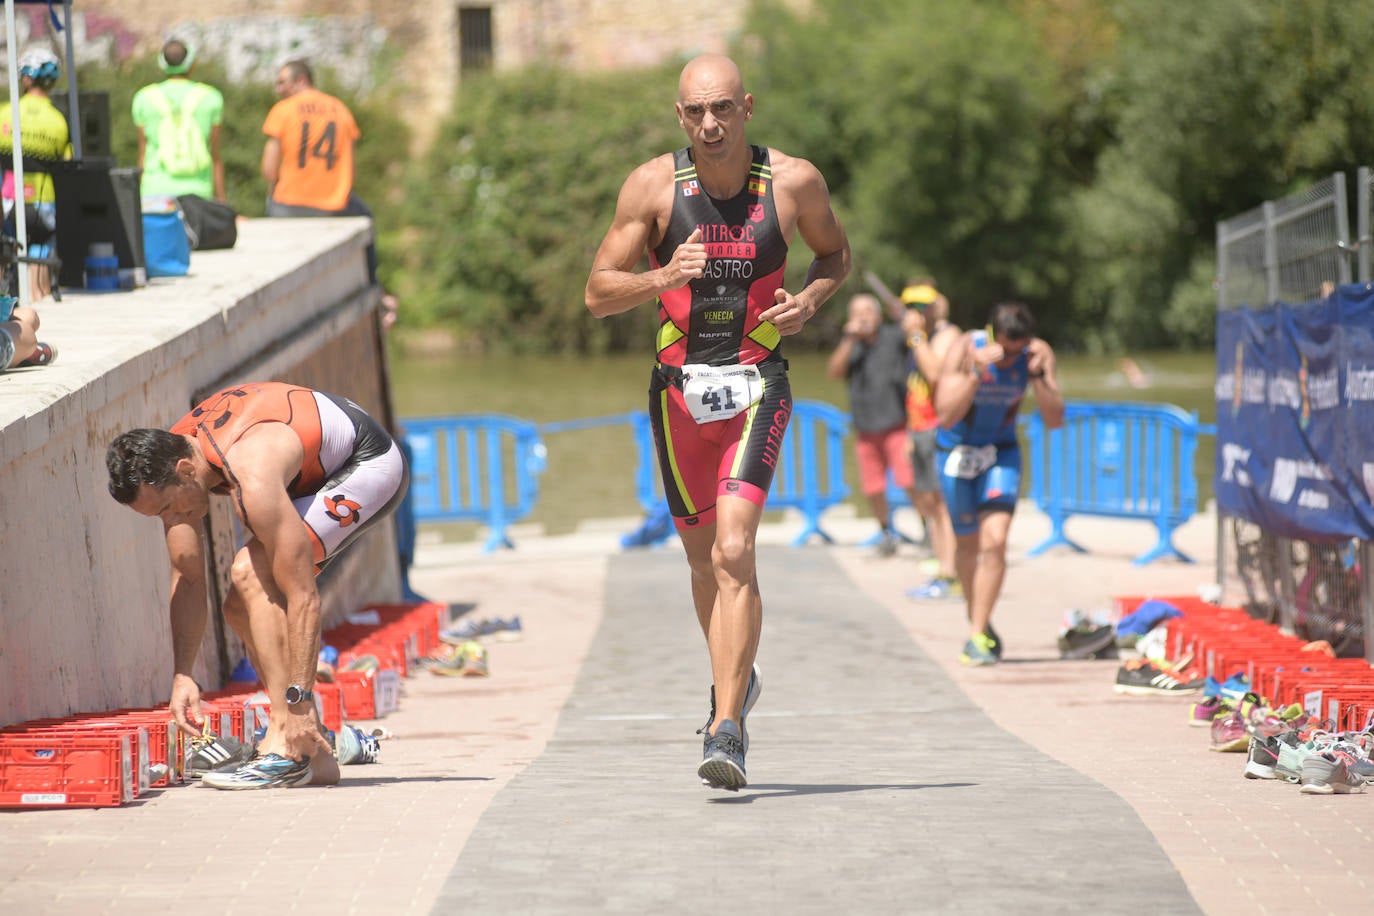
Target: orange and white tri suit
(352,472)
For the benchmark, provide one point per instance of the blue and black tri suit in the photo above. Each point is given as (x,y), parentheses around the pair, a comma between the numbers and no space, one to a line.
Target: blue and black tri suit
(989,425)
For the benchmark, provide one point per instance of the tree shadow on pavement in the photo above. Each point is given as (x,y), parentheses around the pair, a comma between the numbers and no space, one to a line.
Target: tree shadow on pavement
(793,790)
(350,781)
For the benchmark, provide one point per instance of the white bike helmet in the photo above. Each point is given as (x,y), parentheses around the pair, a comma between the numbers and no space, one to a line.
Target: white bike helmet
(41,66)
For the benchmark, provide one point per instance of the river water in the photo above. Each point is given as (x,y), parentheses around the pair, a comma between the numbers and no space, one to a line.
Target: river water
(591,471)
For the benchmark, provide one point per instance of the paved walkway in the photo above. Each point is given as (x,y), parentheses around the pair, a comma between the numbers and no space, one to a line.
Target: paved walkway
(885,778)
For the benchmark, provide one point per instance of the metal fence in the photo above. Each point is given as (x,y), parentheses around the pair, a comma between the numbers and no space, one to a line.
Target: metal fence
(1286,250)
(1291,251)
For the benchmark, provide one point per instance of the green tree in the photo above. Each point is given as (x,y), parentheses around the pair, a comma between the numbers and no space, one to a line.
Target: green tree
(520,187)
(929,121)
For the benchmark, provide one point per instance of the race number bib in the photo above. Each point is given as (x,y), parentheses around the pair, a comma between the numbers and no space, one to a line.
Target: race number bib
(968,461)
(720,392)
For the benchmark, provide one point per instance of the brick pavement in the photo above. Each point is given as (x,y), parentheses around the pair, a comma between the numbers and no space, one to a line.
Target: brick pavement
(517,794)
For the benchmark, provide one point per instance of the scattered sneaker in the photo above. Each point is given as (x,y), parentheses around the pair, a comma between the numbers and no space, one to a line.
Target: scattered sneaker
(1329,774)
(353,745)
(991,634)
(723,763)
(363,663)
(467,630)
(1201,713)
(938,588)
(444,660)
(272,771)
(509,630)
(1234,688)
(212,752)
(751,696)
(1086,642)
(1229,734)
(979,650)
(474,660)
(1144,678)
(887,544)
(1263,758)
(43,354)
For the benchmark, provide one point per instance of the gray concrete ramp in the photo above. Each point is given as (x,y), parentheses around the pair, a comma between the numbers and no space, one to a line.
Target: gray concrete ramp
(876,786)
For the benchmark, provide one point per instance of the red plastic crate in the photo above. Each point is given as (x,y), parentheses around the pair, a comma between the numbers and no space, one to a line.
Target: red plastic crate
(370,694)
(139,745)
(359,694)
(64,770)
(331,705)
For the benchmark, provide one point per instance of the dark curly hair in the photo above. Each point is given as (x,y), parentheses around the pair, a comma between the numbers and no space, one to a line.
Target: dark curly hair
(143,456)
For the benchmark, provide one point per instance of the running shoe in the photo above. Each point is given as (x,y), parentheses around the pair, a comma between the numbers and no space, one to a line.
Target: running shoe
(887,544)
(1263,757)
(1086,641)
(979,650)
(938,588)
(722,766)
(1329,774)
(1289,764)
(1229,734)
(269,772)
(467,630)
(1201,713)
(991,634)
(212,752)
(353,745)
(363,663)
(42,354)
(1143,678)
(444,660)
(751,696)
(474,660)
(509,630)
(1233,688)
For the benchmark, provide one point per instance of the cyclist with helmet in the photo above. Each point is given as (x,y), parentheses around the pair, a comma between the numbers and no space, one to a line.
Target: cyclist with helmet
(43,136)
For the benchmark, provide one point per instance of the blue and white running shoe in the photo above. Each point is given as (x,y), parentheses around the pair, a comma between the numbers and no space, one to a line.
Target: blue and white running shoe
(268,772)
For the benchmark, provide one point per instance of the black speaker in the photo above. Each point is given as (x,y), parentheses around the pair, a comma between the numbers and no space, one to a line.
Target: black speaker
(97,203)
(94,110)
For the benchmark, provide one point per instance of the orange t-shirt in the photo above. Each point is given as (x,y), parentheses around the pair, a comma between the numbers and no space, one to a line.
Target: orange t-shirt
(317,133)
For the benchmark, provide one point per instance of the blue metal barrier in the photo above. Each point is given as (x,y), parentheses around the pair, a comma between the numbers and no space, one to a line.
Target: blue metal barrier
(1115,459)
(482,468)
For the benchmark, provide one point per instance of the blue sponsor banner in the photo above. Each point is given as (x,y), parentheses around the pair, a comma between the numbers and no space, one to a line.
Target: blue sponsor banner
(1295,416)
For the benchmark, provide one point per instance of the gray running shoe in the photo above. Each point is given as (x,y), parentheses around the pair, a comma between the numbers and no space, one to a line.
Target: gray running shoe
(751,696)
(1329,774)
(723,766)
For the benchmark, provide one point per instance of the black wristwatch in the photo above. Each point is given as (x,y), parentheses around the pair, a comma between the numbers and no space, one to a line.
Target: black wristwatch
(296,694)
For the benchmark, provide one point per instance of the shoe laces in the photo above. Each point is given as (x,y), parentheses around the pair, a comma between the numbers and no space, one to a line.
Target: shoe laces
(727,743)
(204,739)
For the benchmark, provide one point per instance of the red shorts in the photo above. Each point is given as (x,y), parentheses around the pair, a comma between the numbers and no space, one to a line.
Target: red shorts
(700,461)
(879,453)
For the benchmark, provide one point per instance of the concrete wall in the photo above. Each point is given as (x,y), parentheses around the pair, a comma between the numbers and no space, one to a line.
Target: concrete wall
(83,580)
